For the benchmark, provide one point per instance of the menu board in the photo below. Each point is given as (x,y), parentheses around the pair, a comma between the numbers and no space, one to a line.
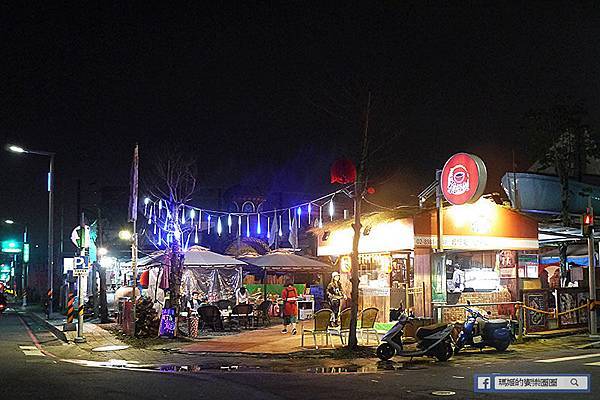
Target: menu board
(168,323)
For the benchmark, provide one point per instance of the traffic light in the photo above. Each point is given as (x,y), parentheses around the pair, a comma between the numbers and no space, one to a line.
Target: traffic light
(587,222)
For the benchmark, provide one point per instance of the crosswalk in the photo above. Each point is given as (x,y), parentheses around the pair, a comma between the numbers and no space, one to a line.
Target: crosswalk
(573,358)
(31,351)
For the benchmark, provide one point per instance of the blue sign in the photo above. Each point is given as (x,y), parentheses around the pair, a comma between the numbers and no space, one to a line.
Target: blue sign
(168,323)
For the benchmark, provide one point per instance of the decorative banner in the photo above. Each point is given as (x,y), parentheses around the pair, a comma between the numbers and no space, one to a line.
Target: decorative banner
(168,323)
(463,180)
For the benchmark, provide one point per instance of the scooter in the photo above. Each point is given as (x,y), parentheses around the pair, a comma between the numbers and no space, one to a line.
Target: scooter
(479,331)
(433,341)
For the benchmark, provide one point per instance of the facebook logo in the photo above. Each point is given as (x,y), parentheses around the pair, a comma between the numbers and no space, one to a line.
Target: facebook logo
(483,383)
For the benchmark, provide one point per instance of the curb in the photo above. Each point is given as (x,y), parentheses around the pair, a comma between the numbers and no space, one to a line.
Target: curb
(53,329)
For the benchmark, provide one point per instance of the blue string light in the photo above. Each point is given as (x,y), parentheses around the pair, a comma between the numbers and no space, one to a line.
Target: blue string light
(258,224)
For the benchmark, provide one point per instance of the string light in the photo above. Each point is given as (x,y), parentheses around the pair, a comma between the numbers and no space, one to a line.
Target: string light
(268,227)
(331,209)
(290,218)
(208,224)
(280,231)
(239,225)
(196,236)
(247,225)
(309,212)
(258,224)
(299,212)
(219,226)
(320,217)
(183,216)
(229,223)
(192,215)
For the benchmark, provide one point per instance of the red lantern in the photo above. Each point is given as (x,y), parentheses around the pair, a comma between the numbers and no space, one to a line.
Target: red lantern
(343,171)
(371,190)
(144,279)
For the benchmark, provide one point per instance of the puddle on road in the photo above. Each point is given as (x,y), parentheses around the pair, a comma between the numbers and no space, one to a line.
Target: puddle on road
(331,370)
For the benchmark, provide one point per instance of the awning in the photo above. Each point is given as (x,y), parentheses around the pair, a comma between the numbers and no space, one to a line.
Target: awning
(287,262)
(198,256)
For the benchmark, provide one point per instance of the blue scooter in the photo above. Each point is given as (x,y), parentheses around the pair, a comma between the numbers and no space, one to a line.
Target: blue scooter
(479,331)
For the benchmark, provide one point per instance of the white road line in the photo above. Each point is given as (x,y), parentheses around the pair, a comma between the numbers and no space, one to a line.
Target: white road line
(595,364)
(31,351)
(582,356)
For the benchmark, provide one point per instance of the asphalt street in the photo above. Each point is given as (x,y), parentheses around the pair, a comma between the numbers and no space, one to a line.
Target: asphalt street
(28,370)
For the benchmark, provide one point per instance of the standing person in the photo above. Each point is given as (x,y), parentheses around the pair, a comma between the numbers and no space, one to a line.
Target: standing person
(194,302)
(290,307)
(335,294)
(241,295)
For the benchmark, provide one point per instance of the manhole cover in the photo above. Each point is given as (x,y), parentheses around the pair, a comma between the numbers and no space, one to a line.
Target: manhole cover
(443,393)
(110,348)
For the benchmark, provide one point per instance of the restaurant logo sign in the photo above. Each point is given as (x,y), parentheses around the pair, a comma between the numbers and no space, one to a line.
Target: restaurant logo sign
(463,179)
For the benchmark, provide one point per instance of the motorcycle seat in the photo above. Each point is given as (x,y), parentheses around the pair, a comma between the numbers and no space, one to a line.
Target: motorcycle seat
(425,331)
(494,324)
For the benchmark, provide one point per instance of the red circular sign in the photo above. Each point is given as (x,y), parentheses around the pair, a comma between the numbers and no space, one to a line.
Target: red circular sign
(463,178)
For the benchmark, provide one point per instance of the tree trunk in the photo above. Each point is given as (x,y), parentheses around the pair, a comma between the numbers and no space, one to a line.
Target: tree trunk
(563,176)
(358,193)
(175,277)
(103,301)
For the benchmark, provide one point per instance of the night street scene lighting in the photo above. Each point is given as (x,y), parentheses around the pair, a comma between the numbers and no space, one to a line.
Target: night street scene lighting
(375,200)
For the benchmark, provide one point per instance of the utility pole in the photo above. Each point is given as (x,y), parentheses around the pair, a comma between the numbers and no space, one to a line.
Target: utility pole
(592,274)
(82,245)
(134,251)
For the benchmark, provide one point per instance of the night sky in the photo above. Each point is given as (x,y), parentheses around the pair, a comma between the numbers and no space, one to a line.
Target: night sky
(270,96)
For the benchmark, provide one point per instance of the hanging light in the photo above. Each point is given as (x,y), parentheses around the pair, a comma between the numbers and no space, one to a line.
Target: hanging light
(247,225)
(155,229)
(196,236)
(229,223)
(239,225)
(331,209)
(258,230)
(147,200)
(208,224)
(299,212)
(309,212)
(320,216)
(192,215)
(268,227)
(280,231)
(219,226)
(183,216)
(290,218)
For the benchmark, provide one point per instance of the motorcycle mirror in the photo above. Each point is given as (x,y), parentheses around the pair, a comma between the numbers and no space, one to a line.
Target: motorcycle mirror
(468,302)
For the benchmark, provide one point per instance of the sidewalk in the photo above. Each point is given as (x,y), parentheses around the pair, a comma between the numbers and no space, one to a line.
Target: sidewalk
(265,341)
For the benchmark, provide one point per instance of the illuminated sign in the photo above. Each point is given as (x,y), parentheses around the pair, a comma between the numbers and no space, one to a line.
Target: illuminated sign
(463,180)
(11,246)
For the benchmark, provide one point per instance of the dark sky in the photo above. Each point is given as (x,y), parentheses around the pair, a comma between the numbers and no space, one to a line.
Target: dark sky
(248,89)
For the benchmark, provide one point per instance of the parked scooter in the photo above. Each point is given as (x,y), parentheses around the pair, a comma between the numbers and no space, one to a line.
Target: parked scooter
(433,341)
(479,331)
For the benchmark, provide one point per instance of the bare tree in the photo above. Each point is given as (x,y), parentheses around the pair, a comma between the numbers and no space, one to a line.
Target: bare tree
(174,182)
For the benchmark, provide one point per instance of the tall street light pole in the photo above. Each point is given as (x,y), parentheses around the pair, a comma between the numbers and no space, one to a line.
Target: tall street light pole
(17,149)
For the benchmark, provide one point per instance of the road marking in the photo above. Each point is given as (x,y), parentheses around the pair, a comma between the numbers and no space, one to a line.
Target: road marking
(582,356)
(31,351)
(595,364)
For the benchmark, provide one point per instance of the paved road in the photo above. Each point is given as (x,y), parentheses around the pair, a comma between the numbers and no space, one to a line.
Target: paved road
(28,373)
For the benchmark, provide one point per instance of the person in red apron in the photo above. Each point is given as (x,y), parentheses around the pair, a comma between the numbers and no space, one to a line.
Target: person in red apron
(290,307)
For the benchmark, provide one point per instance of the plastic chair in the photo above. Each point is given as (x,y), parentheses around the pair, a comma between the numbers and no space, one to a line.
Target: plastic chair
(242,312)
(344,326)
(210,316)
(321,324)
(367,323)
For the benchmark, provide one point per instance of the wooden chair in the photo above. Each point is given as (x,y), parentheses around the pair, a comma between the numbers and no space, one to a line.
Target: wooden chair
(367,323)
(210,316)
(262,312)
(224,304)
(344,326)
(242,312)
(321,324)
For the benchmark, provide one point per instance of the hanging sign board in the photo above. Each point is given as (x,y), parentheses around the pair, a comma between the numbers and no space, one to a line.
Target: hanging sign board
(463,180)
(79,240)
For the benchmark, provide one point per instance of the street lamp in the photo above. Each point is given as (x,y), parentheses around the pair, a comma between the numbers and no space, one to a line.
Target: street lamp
(125,235)
(9,221)
(18,149)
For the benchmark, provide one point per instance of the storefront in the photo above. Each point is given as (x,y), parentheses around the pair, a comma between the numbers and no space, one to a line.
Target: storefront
(385,258)
(486,252)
